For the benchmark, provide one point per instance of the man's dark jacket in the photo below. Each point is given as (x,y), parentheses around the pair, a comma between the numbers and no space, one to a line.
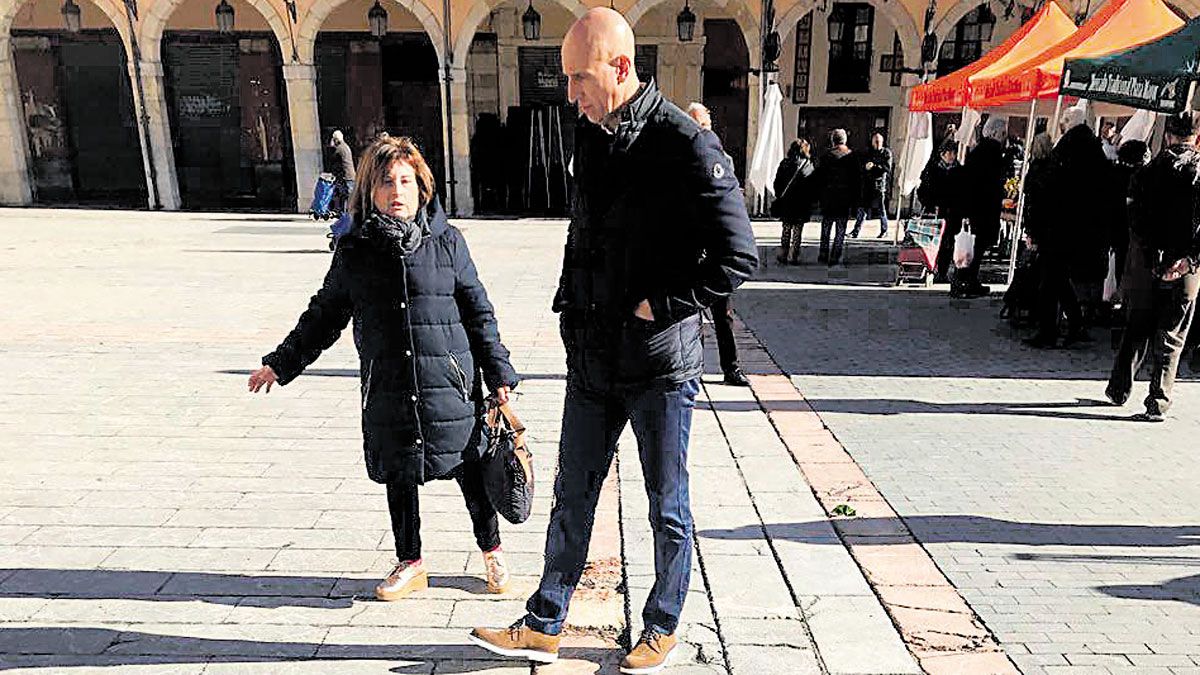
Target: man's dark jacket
(878,178)
(1076,219)
(658,215)
(839,179)
(428,334)
(341,162)
(1164,212)
(984,173)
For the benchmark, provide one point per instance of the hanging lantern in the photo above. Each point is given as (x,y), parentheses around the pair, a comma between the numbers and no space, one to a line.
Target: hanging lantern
(225,17)
(685,23)
(531,23)
(70,12)
(377,20)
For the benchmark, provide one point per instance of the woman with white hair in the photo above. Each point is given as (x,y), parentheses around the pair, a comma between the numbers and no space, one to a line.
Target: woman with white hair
(985,171)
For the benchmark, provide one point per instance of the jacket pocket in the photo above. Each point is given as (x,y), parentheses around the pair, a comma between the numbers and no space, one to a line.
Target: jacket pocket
(366,392)
(459,376)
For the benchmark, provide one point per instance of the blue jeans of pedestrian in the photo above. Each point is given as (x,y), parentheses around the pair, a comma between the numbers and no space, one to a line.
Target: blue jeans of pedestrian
(661,417)
(836,227)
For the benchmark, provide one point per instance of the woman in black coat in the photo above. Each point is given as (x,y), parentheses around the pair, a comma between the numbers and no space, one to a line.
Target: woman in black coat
(793,199)
(429,344)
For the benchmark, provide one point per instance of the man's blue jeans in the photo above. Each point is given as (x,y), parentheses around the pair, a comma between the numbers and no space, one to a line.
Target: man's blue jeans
(661,416)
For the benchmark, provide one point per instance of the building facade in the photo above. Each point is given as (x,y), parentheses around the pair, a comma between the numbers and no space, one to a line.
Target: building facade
(198,104)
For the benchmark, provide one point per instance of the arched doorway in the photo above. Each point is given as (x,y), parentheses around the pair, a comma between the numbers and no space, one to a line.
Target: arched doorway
(367,85)
(713,69)
(520,122)
(77,102)
(227,107)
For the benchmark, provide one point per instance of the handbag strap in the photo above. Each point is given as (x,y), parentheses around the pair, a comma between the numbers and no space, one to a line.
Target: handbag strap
(799,168)
(505,410)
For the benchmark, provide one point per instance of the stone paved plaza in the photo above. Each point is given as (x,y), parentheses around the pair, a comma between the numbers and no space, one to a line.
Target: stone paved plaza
(155,517)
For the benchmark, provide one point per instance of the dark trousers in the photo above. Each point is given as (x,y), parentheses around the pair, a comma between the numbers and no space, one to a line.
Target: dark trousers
(722,316)
(1160,313)
(405,510)
(945,255)
(1056,295)
(877,205)
(791,240)
(661,416)
(835,226)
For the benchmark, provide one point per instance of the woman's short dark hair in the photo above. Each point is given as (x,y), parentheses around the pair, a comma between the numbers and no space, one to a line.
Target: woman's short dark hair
(374,166)
(1133,153)
(797,147)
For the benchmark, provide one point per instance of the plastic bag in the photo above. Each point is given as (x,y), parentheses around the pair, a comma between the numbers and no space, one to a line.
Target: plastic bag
(1110,281)
(964,247)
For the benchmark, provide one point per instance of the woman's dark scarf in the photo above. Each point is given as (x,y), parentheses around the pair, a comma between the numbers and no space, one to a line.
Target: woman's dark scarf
(398,237)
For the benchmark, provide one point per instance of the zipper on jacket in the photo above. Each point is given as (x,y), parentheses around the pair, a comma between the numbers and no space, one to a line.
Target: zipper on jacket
(462,376)
(367,392)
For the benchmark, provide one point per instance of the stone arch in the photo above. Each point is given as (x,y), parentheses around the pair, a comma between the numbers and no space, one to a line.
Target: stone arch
(154,22)
(741,11)
(482,8)
(310,25)
(943,26)
(894,12)
(9,9)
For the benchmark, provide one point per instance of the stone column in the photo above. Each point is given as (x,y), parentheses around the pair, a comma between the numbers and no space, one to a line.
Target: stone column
(158,148)
(301,82)
(460,154)
(15,184)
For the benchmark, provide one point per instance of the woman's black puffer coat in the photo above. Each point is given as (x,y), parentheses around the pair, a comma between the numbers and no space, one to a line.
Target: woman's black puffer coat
(428,331)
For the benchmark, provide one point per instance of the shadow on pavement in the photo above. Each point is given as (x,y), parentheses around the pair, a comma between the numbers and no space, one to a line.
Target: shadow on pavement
(222,589)
(981,530)
(1183,589)
(63,647)
(311,372)
(1059,410)
(814,330)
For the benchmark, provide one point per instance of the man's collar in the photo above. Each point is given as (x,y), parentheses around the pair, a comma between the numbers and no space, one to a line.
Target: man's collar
(612,121)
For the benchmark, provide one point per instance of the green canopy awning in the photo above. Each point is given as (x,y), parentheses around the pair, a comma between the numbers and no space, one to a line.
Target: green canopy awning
(1154,76)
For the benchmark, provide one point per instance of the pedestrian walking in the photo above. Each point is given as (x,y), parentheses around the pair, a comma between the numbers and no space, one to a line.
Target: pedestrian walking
(341,165)
(940,192)
(793,205)
(984,173)
(429,344)
(839,180)
(1054,239)
(1131,156)
(721,309)
(658,232)
(877,180)
(1161,280)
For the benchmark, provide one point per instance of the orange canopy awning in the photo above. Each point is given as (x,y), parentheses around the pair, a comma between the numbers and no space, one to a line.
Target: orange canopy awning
(1118,25)
(1048,27)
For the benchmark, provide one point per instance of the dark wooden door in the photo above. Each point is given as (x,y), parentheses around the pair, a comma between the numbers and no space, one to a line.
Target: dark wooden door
(860,123)
(727,87)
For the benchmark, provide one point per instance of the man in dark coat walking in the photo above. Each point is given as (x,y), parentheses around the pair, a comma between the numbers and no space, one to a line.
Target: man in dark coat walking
(659,231)
(840,183)
(984,173)
(877,180)
(1073,227)
(1161,281)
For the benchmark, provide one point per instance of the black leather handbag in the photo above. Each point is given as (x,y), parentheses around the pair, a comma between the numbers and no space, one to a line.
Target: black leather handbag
(507,465)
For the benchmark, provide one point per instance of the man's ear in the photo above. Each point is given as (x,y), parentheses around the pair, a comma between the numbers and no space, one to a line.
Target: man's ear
(624,67)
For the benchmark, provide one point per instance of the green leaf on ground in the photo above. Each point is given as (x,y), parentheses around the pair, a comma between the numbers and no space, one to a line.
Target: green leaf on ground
(844,510)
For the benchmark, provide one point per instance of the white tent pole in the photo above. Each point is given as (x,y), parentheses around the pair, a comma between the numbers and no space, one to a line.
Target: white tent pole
(908,147)
(962,147)
(1052,125)
(1018,231)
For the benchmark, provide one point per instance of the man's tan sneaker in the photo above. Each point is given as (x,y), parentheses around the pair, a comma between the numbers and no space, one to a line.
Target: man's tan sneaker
(408,576)
(518,641)
(650,654)
(497,571)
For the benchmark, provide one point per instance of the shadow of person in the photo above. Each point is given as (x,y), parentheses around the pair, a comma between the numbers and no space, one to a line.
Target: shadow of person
(946,529)
(222,589)
(61,647)
(1183,589)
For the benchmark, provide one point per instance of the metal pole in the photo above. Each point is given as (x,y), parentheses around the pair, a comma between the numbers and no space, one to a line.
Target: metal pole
(902,176)
(1017,232)
(1052,126)
(155,198)
(449,111)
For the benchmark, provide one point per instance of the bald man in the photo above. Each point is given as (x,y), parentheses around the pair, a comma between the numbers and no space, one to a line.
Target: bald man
(659,232)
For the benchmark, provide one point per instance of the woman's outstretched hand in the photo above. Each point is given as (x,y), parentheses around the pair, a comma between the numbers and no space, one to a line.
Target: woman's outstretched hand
(258,378)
